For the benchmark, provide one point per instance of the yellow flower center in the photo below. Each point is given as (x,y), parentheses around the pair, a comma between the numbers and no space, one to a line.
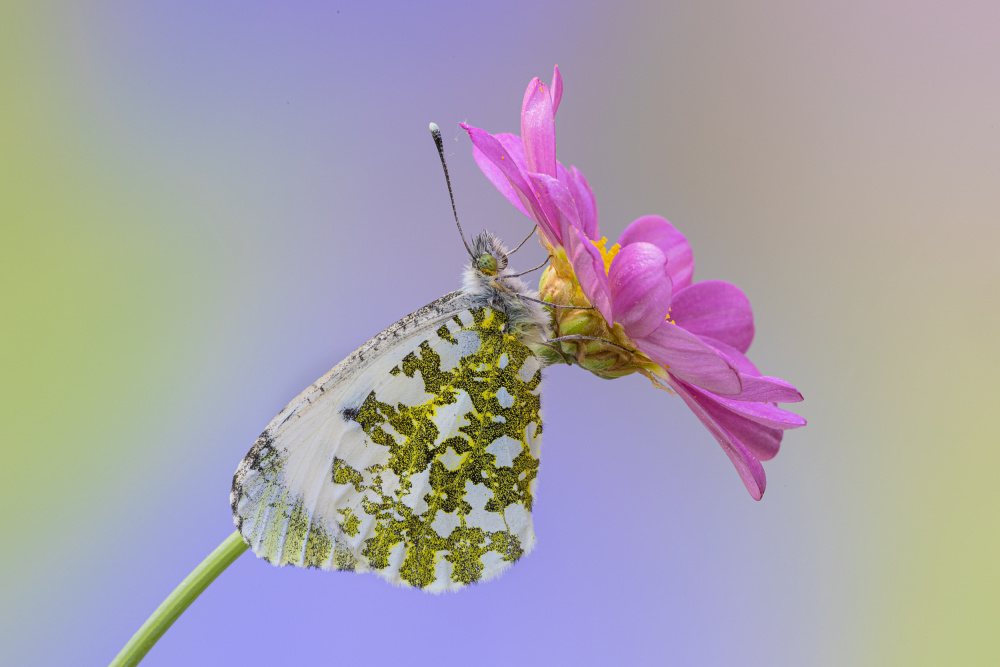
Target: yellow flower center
(608,255)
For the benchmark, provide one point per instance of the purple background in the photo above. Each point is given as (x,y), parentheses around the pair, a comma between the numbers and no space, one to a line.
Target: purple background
(207,205)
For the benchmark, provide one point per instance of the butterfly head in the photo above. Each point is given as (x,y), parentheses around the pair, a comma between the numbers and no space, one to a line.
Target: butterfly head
(489,256)
(487,263)
(486,274)
(488,280)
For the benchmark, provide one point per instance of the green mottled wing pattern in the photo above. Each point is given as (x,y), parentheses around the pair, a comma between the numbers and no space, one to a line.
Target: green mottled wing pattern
(420,467)
(451,503)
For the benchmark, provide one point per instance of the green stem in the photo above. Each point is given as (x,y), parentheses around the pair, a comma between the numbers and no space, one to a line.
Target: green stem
(179,600)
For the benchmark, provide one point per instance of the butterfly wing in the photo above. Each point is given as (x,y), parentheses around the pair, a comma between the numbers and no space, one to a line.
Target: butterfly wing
(415,457)
(280,497)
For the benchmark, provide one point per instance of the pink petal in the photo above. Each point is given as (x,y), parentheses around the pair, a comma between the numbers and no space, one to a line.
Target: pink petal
(763,388)
(556,89)
(496,176)
(538,129)
(515,148)
(493,151)
(747,465)
(716,309)
(656,230)
(588,264)
(762,413)
(640,288)
(550,212)
(687,357)
(762,441)
(745,366)
(586,204)
(756,387)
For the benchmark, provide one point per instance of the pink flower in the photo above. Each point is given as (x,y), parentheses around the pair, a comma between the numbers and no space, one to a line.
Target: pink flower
(515,166)
(741,415)
(692,336)
(699,334)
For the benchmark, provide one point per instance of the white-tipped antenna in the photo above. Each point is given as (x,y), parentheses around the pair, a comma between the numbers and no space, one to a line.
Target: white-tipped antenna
(436,133)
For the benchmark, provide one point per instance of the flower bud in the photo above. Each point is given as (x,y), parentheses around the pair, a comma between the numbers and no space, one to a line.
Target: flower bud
(554,288)
(605,349)
(581,323)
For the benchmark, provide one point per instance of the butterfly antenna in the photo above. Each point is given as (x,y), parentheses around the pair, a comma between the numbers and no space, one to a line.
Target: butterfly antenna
(533,230)
(436,133)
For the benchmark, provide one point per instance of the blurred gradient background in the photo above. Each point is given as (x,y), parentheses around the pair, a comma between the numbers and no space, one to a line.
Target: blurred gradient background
(206,205)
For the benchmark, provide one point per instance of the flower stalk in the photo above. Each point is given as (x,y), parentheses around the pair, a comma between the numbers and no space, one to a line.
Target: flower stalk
(179,600)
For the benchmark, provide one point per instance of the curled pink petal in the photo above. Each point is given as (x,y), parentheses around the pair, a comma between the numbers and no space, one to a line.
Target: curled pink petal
(493,151)
(762,441)
(656,230)
(588,264)
(756,388)
(763,388)
(586,204)
(589,268)
(762,413)
(556,89)
(538,129)
(640,288)
(747,465)
(716,309)
(745,366)
(689,358)
(494,173)
(512,144)
(546,203)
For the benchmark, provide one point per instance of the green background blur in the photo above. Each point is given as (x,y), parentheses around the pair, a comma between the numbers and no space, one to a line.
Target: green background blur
(182,190)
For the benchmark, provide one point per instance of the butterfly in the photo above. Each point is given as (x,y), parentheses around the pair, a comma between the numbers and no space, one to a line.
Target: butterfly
(416,457)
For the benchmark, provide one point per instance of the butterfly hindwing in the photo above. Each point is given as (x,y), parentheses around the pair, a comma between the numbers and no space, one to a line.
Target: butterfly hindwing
(450,503)
(415,457)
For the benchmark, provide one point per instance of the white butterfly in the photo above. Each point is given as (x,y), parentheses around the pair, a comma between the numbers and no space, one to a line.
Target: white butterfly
(415,457)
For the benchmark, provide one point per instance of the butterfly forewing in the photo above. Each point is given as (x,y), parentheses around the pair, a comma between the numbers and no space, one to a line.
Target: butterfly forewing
(281,498)
(415,457)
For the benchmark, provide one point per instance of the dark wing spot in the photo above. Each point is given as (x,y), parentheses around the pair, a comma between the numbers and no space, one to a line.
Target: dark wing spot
(445,334)
(349,414)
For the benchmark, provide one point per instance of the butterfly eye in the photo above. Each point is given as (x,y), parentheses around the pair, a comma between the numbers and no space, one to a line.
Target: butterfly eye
(487,263)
